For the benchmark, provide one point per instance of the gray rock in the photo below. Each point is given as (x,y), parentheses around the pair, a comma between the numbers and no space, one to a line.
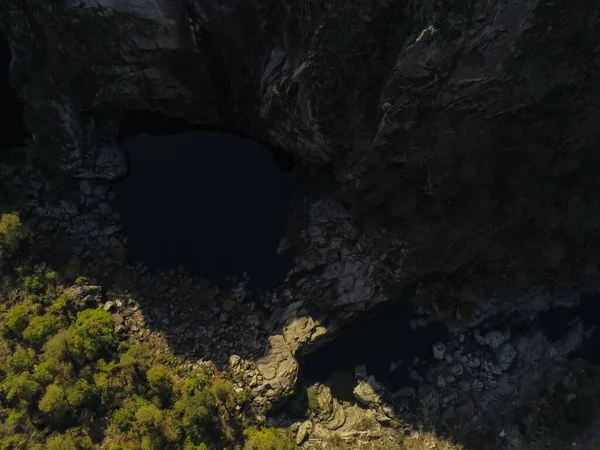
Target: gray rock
(505,355)
(494,339)
(366,392)
(457,370)
(110,306)
(105,209)
(278,368)
(85,187)
(303,432)
(441,382)
(101,191)
(111,229)
(439,350)
(360,370)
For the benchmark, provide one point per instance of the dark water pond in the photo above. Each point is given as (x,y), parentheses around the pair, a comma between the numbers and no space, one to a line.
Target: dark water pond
(216,204)
(557,322)
(383,341)
(11,110)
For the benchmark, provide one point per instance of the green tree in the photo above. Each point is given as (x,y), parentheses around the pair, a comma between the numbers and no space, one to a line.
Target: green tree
(60,442)
(54,403)
(94,333)
(81,393)
(268,439)
(221,389)
(195,416)
(18,317)
(148,417)
(20,388)
(123,418)
(11,230)
(40,328)
(61,347)
(73,439)
(161,384)
(33,284)
(20,361)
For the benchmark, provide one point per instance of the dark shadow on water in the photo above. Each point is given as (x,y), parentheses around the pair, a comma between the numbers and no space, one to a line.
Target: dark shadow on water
(14,132)
(133,123)
(383,341)
(216,204)
(557,322)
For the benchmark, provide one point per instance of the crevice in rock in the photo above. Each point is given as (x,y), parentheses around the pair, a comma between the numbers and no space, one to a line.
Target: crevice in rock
(11,109)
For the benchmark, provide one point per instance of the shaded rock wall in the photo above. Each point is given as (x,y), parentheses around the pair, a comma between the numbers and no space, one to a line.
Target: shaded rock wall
(452,135)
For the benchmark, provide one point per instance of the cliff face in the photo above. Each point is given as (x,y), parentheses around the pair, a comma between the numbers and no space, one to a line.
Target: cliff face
(467,131)
(457,137)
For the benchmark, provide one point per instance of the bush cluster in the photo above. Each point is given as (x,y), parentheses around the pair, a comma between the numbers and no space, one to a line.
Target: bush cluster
(68,382)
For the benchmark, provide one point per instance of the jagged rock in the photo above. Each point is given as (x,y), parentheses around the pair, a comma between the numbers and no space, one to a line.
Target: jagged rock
(85,187)
(494,339)
(439,350)
(105,209)
(110,306)
(303,432)
(300,330)
(111,229)
(88,295)
(234,361)
(360,370)
(367,392)
(505,355)
(278,368)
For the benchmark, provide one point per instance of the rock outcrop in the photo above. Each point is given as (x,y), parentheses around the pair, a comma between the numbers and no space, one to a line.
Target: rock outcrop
(436,120)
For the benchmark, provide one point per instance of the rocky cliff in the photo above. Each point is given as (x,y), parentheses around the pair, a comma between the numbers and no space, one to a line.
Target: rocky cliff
(455,141)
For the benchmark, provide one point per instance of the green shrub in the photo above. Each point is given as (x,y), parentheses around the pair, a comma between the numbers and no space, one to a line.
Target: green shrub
(40,328)
(50,276)
(221,389)
(81,281)
(124,418)
(267,439)
(11,230)
(313,401)
(18,317)
(20,388)
(148,417)
(61,347)
(33,284)
(21,360)
(94,334)
(161,384)
(54,404)
(81,393)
